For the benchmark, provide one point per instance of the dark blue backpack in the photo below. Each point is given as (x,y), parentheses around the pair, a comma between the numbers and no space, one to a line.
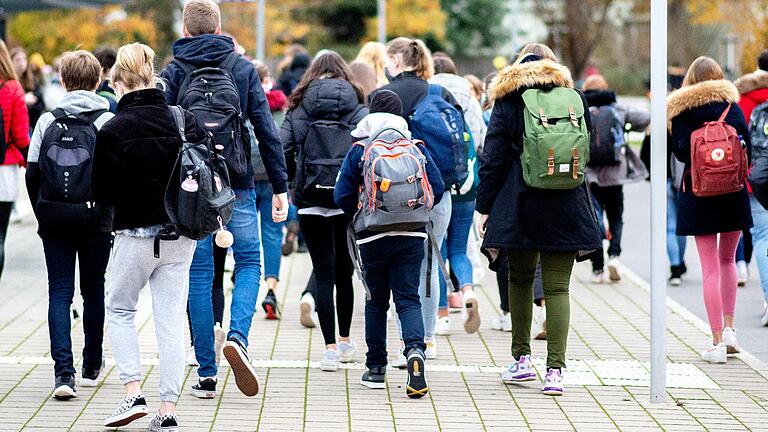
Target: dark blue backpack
(441,126)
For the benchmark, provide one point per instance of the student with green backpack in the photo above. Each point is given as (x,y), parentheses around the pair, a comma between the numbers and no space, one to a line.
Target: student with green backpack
(533,201)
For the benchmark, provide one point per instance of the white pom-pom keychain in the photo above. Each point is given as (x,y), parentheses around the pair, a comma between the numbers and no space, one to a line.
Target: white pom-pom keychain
(224,238)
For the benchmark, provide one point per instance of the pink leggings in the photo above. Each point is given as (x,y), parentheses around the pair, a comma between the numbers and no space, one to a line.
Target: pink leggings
(718,269)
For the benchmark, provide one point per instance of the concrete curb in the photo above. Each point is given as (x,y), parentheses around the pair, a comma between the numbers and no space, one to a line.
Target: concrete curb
(758,365)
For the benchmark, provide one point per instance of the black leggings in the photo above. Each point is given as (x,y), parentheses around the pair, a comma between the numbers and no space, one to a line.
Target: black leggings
(326,239)
(217,291)
(5,217)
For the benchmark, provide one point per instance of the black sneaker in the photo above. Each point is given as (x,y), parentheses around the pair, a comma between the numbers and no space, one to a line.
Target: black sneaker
(90,377)
(245,376)
(375,378)
(205,388)
(416,387)
(271,308)
(64,387)
(164,423)
(130,409)
(683,268)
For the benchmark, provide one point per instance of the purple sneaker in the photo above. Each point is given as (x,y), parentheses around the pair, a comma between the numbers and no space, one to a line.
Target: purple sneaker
(520,370)
(553,383)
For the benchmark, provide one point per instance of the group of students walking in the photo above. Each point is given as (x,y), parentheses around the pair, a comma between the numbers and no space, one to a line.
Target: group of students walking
(385,173)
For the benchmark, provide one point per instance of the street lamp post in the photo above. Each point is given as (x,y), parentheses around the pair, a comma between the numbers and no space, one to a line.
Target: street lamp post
(260,29)
(658,199)
(382,20)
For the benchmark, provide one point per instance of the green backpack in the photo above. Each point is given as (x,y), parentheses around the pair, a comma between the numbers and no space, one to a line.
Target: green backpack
(556,139)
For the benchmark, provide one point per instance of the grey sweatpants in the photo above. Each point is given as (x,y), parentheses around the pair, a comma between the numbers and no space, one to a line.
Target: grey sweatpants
(133,265)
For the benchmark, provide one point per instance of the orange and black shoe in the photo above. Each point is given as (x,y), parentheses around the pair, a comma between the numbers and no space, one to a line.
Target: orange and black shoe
(271,308)
(417,377)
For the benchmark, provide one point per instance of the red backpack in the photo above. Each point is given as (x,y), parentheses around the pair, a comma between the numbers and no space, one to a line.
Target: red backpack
(718,159)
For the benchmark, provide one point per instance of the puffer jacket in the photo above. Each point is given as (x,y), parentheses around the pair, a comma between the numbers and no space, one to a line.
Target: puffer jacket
(324,99)
(16,121)
(521,217)
(688,109)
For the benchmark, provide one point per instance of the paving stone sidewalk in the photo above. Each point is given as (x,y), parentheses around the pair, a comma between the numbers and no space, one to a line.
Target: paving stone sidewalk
(608,348)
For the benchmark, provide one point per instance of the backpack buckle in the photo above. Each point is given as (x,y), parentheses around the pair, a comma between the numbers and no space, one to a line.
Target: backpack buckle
(412,202)
(551,162)
(411,179)
(572,114)
(544,119)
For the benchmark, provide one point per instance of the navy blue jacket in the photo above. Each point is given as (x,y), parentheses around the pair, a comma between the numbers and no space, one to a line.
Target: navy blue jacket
(350,179)
(210,51)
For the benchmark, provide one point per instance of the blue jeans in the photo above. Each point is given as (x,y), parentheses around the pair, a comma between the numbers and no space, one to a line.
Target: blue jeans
(244,227)
(271,231)
(454,249)
(392,264)
(760,241)
(675,243)
(92,253)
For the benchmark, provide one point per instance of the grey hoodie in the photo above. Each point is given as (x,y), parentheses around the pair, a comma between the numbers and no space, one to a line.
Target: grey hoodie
(473,113)
(76,102)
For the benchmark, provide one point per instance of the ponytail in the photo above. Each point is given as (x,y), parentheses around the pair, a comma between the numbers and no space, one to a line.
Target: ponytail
(415,55)
(134,67)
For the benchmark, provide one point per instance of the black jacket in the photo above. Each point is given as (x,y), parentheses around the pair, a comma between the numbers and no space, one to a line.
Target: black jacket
(412,90)
(289,79)
(211,51)
(689,108)
(324,99)
(135,154)
(524,218)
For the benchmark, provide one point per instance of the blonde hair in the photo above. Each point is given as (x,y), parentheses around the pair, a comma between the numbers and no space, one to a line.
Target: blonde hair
(595,82)
(415,55)
(540,50)
(373,54)
(201,17)
(7,71)
(135,66)
(80,70)
(703,69)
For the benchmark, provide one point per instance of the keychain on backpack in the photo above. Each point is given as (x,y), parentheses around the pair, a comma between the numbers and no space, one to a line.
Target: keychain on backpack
(224,238)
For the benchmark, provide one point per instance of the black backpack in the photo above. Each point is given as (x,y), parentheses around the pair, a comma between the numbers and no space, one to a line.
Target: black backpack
(66,163)
(211,94)
(198,199)
(3,138)
(319,160)
(608,137)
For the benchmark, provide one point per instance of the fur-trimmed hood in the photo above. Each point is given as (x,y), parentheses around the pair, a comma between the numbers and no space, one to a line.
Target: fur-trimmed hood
(752,81)
(534,74)
(697,95)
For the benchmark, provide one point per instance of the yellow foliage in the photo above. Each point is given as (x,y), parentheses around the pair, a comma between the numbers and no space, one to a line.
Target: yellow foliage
(239,20)
(53,32)
(414,18)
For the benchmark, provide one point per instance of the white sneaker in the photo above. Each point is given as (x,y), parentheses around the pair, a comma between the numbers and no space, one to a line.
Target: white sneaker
(400,362)
(191,359)
(520,370)
(765,313)
(330,361)
(347,352)
(502,323)
(472,309)
(729,339)
(539,323)
(743,273)
(219,338)
(613,269)
(597,278)
(307,306)
(443,326)
(715,354)
(431,352)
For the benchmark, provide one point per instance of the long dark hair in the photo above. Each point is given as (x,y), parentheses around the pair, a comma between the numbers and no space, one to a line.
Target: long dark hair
(328,65)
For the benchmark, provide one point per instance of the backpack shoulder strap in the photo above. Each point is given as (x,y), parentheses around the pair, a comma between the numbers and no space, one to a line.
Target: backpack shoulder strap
(178,117)
(435,90)
(59,113)
(229,63)
(725,114)
(187,69)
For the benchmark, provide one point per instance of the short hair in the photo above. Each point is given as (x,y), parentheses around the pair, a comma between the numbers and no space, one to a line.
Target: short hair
(201,17)
(106,56)
(762,60)
(703,69)
(595,82)
(444,64)
(80,71)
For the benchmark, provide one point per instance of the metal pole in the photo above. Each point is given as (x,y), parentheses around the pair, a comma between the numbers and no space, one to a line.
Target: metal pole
(658,200)
(261,11)
(382,14)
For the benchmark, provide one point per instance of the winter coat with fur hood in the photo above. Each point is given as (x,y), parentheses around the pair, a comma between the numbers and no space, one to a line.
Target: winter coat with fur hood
(688,109)
(521,217)
(753,88)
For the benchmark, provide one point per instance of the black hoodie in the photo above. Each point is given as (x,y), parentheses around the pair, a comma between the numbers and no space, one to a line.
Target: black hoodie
(210,51)
(290,78)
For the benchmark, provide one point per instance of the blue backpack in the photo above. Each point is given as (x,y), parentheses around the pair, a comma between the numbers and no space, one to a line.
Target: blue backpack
(441,126)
